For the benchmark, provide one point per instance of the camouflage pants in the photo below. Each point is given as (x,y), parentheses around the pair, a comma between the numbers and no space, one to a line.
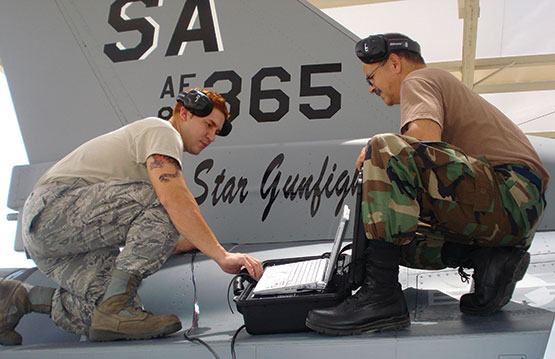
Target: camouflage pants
(420,194)
(74,234)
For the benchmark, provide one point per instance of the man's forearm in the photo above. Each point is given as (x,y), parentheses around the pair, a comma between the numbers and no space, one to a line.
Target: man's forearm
(170,187)
(189,222)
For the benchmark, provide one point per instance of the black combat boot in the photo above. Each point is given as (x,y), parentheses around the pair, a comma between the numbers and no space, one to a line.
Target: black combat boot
(378,305)
(495,277)
(496,272)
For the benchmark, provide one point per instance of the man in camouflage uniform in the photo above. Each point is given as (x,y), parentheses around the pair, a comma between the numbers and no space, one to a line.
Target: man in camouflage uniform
(461,186)
(123,189)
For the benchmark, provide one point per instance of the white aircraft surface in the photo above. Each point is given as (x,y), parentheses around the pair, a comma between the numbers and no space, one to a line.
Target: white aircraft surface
(274,188)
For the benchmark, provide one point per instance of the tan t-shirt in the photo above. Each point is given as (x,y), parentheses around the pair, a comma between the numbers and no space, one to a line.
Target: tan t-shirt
(467,120)
(119,155)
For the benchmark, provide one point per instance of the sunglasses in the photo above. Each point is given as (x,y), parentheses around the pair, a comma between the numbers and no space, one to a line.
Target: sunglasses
(370,77)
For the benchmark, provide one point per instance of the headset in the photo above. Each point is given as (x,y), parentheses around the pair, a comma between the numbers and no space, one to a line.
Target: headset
(377,48)
(200,105)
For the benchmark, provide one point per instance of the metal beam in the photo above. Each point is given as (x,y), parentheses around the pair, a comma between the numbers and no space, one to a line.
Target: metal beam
(516,87)
(496,62)
(469,11)
(542,134)
(508,74)
(327,4)
(490,75)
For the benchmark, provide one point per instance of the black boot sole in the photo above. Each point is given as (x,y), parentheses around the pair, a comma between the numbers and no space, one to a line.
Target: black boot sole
(520,264)
(386,324)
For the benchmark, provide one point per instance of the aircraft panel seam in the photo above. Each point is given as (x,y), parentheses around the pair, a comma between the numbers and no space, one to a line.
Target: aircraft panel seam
(100,79)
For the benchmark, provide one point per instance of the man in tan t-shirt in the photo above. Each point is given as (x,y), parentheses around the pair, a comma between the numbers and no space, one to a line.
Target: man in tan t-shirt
(460,186)
(122,189)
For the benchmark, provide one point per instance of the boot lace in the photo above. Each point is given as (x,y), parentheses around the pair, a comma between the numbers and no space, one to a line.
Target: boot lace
(362,294)
(132,304)
(353,299)
(465,277)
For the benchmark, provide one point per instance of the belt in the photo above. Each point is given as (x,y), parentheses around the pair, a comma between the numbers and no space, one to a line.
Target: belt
(525,172)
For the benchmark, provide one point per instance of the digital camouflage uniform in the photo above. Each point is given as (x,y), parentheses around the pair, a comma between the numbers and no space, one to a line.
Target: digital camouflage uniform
(420,194)
(74,234)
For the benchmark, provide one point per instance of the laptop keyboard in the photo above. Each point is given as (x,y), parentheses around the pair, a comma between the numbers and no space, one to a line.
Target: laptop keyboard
(305,272)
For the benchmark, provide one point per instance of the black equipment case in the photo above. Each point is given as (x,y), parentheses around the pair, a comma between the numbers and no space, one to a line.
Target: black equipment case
(285,313)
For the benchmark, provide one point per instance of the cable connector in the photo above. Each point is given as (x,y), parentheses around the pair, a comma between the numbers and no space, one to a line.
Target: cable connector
(238,286)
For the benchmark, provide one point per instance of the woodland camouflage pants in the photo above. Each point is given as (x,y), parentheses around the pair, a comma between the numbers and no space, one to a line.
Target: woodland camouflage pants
(74,234)
(420,194)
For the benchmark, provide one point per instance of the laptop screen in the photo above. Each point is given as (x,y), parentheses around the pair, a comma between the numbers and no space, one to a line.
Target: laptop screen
(339,235)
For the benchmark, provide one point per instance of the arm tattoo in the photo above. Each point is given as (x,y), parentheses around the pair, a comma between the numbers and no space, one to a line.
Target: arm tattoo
(160,161)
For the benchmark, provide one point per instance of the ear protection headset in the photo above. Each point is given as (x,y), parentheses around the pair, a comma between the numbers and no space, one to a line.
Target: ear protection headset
(377,48)
(196,102)
(200,105)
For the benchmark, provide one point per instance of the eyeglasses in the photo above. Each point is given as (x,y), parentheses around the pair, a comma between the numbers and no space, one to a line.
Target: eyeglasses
(370,77)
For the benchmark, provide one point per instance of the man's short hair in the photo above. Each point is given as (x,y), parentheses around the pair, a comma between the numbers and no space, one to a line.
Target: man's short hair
(218,101)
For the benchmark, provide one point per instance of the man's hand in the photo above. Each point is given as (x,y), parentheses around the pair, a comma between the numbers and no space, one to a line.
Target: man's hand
(360,159)
(233,262)
(422,129)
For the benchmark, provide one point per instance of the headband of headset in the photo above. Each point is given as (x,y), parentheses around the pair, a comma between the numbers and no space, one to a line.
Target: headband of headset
(200,105)
(377,48)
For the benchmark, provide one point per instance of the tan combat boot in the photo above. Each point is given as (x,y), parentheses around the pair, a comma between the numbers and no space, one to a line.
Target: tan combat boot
(116,318)
(14,302)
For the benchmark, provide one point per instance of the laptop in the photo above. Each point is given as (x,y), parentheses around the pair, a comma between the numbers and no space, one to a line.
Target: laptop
(357,270)
(308,275)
